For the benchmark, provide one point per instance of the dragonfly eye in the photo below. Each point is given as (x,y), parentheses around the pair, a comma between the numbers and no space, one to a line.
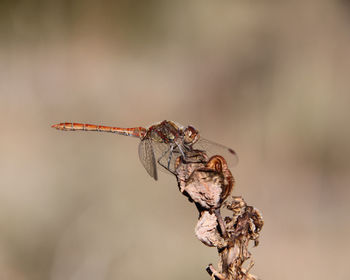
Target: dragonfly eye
(191,135)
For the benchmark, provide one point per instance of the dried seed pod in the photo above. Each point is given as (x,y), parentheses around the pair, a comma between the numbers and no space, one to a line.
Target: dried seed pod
(206,230)
(209,185)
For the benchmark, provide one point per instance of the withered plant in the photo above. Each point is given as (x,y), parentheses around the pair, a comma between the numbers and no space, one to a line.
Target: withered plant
(207,182)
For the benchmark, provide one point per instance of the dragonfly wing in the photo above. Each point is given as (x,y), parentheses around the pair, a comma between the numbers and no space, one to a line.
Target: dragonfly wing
(212,148)
(165,157)
(146,155)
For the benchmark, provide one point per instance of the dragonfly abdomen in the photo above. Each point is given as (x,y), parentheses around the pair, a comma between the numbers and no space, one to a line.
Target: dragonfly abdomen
(139,132)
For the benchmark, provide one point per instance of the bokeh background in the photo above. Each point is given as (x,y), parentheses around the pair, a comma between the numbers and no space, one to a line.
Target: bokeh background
(269,79)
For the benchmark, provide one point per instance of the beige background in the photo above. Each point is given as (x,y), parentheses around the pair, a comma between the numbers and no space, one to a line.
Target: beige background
(271,80)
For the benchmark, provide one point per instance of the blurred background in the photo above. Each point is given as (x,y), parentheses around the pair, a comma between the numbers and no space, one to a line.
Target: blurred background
(269,79)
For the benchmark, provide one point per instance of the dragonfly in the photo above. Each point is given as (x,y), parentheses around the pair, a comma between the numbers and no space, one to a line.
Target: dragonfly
(161,143)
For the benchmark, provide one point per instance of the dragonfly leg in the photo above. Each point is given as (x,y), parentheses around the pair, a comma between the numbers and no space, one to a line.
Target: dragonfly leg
(181,151)
(165,167)
(164,153)
(169,159)
(170,155)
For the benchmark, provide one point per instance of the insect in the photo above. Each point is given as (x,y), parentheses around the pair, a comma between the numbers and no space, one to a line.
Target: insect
(161,143)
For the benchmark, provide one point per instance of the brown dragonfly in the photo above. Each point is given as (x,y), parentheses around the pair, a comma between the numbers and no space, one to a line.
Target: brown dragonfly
(161,143)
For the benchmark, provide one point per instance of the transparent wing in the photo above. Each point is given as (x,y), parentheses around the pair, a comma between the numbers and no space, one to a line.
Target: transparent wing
(147,157)
(212,148)
(165,157)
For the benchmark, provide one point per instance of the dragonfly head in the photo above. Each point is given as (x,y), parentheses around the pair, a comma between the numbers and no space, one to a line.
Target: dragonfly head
(191,135)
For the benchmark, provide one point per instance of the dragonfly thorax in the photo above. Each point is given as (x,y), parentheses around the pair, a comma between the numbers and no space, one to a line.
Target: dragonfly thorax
(166,132)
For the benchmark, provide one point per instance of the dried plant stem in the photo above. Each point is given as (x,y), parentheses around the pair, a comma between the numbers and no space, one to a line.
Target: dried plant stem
(208,183)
